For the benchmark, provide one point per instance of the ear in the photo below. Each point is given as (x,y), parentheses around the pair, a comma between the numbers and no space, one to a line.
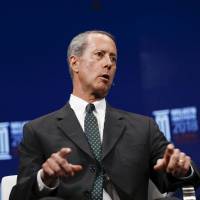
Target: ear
(74,62)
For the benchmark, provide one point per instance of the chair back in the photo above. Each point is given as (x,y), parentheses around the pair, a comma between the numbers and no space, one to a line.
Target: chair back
(7,184)
(189,193)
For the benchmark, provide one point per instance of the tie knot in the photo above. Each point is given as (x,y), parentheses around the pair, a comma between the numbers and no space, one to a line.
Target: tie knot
(90,107)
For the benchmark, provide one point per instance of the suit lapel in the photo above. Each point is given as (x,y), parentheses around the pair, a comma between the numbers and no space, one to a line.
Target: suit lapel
(68,122)
(113,130)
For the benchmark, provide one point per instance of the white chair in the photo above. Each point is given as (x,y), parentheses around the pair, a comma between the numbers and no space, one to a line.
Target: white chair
(7,184)
(153,192)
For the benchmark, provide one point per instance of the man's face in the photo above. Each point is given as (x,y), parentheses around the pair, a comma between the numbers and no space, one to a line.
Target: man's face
(96,67)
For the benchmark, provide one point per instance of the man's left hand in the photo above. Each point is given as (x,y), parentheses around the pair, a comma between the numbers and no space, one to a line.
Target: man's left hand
(174,161)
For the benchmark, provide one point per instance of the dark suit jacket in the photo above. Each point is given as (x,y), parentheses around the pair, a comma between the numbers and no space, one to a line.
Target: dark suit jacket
(131,146)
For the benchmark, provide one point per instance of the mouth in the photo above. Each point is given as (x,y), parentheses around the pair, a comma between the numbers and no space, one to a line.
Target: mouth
(105,77)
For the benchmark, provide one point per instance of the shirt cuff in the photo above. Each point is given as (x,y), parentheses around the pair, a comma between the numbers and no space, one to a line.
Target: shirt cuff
(190,174)
(42,186)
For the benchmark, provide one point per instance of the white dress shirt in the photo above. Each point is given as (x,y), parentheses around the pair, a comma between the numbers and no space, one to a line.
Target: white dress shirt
(78,105)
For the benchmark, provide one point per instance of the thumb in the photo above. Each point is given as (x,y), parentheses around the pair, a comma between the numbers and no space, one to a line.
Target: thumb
(160,165)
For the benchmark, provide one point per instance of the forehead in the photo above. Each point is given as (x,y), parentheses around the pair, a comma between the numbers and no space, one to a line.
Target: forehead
(97,41)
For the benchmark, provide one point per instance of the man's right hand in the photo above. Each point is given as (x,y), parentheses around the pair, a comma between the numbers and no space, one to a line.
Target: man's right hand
(57,166)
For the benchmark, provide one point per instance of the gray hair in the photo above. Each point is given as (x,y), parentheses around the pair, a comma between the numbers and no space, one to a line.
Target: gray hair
(79,43)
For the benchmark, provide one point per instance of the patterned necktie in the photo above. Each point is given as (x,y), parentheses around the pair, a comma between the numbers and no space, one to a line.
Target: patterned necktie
(93,136)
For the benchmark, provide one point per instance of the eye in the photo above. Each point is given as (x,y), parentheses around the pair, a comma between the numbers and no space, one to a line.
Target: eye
(99,54)
(113,59)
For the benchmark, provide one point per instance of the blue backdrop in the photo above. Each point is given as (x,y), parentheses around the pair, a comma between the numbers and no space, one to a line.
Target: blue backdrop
(158,67)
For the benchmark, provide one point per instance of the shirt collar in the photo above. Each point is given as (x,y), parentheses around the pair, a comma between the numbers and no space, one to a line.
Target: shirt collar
(79,104)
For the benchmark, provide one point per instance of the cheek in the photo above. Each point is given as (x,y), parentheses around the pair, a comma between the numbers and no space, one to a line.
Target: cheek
(94,70)
(113,73)
(86,70)
(91,68)
(90,75)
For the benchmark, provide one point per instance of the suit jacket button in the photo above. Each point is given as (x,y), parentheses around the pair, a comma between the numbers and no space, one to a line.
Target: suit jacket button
(92,169)
(107,178)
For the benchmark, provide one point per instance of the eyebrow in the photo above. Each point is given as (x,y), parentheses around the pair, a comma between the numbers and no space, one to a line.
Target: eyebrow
(112,54)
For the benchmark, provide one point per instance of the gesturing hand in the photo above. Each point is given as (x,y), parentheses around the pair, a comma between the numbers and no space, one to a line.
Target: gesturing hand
(174,161)
(57,165)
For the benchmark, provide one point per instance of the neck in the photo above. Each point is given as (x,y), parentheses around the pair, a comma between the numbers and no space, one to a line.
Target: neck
(90,98)
(86,93)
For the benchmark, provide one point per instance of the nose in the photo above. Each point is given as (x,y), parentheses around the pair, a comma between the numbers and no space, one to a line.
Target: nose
(108,62)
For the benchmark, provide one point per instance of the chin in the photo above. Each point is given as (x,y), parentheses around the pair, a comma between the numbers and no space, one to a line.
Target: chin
(101,92)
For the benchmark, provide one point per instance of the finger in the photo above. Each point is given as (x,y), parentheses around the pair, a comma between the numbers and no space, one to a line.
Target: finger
(76,168)
(168,153)
(172,165)
(54,166)
(187,165)
(64,152)
(68,168)
(47,170)
(181,159)
(179,169)
(182,170)
(181,166)
(61,162)
(71,169)
(72,172)
(160,165)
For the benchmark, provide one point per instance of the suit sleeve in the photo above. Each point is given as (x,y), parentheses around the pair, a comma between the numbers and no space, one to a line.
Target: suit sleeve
(31,159)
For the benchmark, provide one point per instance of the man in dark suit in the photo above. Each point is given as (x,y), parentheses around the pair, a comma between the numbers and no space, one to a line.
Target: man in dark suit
(62,157)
